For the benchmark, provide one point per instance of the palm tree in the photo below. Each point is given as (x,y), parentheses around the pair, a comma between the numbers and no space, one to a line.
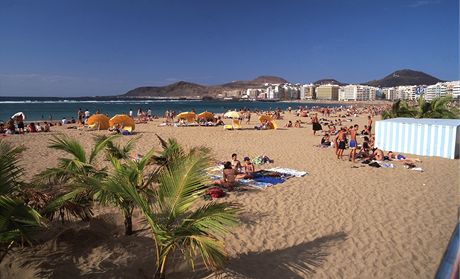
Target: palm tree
(130,172)
(437,108)
(399,109)
(17,219)
(175,227)
(73,199)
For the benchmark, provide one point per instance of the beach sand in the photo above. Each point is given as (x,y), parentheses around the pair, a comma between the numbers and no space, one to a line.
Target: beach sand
(336,222)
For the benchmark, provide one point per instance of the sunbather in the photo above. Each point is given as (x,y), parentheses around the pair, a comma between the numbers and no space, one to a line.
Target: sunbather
(229,177)
(248,168)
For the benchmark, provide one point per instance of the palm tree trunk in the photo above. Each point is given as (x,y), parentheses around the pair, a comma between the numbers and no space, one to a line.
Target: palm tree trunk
(128,221)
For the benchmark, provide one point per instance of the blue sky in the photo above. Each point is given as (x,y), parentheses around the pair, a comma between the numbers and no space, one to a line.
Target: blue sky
(106,47)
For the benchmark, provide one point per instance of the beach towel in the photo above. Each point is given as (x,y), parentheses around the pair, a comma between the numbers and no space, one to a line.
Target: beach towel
(255,184)
(287,171)
(269,179)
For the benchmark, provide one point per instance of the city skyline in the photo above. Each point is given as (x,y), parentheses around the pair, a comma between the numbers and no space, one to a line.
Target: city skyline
(82,48)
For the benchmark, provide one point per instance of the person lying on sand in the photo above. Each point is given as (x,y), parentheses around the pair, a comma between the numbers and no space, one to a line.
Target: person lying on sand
(377,154)
(289,124)
(402,158)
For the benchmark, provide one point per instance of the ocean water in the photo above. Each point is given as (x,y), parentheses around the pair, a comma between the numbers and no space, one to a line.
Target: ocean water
(56,109)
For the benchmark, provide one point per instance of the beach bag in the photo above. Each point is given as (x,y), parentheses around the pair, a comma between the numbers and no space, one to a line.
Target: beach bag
(216,192)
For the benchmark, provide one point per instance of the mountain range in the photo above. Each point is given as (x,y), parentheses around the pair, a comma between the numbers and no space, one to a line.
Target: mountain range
(232,89)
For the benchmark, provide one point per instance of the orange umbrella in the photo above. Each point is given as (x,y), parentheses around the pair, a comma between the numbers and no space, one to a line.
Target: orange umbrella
(206,115)
(189,116)
(265,117)
(122,119)
(99,120)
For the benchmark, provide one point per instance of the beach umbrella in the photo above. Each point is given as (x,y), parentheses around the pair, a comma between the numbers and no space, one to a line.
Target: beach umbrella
(232,114)
(99,120)
(206,115)
(122,119)
(266,117)
(189,116)
(17,114)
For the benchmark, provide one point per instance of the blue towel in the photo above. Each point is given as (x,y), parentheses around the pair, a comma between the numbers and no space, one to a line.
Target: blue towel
(269,179)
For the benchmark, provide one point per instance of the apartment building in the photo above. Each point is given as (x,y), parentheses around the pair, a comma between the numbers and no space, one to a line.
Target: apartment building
(307,92)
(327,92)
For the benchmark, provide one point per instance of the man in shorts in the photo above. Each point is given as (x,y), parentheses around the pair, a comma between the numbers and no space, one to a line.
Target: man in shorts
(341,139)
(353,143)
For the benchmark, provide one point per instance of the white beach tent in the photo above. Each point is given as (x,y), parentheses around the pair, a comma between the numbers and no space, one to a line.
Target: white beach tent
(424,137)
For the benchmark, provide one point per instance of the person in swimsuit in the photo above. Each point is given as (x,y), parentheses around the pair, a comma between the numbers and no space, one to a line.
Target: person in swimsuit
(369,124)
(248,168)
(229,177)
(235,162)
(377,154)
(316,126)
(341,139)
(353,143)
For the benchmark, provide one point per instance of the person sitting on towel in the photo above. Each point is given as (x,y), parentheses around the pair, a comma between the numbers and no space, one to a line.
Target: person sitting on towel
(236,163)
(325,141)
(248,168)
(229,177)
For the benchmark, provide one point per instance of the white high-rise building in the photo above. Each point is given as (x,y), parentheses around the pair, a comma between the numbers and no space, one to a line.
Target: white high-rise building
(357,93)
(307,92)
(456,89)
(434,91)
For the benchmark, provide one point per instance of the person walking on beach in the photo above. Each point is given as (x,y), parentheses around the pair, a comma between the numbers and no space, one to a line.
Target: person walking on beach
(316,125)
(248,117)
(131,113)
(353,143)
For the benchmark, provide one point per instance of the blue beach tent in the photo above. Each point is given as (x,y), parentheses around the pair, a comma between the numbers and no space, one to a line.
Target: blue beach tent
(423,137)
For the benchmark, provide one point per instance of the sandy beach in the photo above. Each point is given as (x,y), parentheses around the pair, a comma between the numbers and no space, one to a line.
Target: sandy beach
(342,220)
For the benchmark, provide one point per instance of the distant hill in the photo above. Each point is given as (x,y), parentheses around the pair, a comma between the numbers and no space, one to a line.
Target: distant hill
(404,77)
(188,89)
(328,81)
(178,89)
(257,82)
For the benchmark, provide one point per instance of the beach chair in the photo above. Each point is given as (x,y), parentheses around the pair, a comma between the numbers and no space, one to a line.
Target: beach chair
(236,124)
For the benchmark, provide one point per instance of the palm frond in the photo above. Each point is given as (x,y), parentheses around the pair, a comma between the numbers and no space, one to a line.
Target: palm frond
(181,184)
(17,220)
(10,171)
(74,204)
(100,143)
(70,146)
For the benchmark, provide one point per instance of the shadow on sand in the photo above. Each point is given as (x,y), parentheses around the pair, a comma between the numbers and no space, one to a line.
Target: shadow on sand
(297,261)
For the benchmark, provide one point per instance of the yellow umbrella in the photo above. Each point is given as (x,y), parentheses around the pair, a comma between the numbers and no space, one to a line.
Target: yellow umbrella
(122,119)
(232,114)
(189,116)
(265,117)
(99,120)
(206,115)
